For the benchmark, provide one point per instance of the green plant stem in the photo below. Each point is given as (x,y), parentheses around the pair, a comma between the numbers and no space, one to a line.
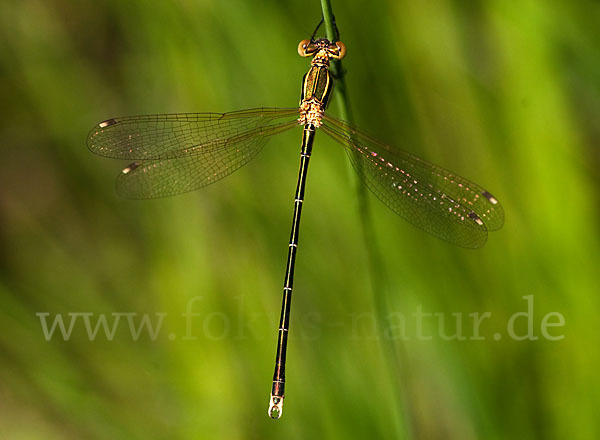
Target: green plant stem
(378,277)
(376,269)
(336,67)
(373,254)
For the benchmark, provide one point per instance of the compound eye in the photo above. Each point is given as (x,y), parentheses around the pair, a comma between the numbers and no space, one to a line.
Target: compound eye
(341,50)
(302,47)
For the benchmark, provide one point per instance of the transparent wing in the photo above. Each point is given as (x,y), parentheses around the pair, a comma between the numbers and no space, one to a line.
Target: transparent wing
(176,153)
(432,198)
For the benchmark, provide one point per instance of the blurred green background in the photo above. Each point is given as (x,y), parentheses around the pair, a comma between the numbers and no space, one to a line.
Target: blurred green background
(505,93)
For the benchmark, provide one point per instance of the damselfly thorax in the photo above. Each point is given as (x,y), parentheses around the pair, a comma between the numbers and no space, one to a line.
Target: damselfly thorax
(317,83)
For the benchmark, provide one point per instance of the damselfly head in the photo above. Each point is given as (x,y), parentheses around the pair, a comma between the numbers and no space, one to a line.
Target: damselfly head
(309,48)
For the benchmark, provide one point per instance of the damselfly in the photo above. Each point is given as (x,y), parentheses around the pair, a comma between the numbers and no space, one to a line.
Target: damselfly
(176,153)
